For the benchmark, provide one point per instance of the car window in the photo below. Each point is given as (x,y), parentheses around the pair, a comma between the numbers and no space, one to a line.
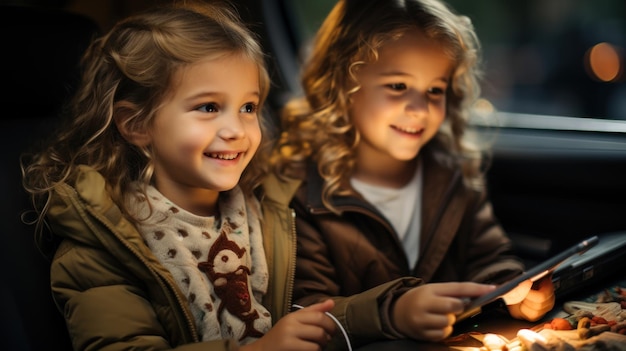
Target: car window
(555,58)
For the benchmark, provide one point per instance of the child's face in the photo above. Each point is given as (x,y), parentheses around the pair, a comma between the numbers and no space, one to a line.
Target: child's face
(402,100)
(207,131)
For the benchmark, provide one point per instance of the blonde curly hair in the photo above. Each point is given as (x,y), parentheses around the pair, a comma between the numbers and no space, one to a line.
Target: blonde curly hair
(317,126)
(134,65)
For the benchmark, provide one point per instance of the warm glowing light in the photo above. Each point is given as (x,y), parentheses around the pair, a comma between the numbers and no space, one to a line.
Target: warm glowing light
(532,340)
(604,62)
(494,342)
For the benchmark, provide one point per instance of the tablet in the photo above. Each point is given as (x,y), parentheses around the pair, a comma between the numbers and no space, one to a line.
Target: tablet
(537,272)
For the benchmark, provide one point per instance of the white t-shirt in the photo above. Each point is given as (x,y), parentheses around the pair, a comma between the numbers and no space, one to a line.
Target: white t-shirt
(402,207)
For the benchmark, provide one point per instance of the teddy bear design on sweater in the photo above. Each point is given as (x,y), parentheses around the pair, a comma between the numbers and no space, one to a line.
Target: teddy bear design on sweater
(230,280)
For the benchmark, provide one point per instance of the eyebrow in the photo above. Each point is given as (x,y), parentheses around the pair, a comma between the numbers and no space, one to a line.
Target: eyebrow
(205,94)
(393,73)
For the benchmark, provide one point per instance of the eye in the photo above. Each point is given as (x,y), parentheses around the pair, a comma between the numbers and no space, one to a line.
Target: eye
(397,86)
(249,108)
(436,91)
(209,107)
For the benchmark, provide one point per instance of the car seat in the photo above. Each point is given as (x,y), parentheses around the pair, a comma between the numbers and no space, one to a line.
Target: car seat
(39,69)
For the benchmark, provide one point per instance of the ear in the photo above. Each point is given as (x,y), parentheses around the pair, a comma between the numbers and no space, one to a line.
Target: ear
(124,114)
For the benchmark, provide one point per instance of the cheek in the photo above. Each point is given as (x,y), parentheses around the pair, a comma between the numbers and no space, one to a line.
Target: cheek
(439,113)
(357,116)
(185,141)
(253,131)
(367,108)
(194,138)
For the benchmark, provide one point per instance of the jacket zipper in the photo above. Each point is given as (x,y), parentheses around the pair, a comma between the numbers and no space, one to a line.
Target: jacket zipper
(163,282)
(429,234)
(292,266)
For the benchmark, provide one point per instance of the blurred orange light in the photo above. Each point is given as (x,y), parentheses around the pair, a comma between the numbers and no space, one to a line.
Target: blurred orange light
(603,61)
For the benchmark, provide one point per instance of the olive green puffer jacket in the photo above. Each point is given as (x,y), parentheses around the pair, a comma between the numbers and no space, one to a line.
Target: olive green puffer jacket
(114,293)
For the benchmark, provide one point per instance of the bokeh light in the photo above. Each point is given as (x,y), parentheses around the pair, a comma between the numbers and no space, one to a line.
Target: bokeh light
(604,63)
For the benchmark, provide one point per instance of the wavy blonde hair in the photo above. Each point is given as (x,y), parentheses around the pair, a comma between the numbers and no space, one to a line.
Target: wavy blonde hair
(134,65)
(317,126)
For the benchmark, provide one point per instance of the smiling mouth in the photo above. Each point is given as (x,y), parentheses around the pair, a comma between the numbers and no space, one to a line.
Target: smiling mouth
(407,130)
(230,156)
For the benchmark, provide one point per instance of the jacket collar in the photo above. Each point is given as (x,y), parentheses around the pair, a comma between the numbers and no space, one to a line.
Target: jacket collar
(86,213)
(442,208)
(280,190)
(439,182)
(315,184)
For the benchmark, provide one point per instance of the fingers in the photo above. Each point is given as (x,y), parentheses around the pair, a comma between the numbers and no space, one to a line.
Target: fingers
(451,297)
(312,333)
(435,327)
(316,315)
(444,304)
(440,333)
(462,289)
(428,312)
(324,306)
(515,311)
(284,339)
(539,302)
(532,311)
(519,293)
(536,303)
(543,295)
(308,328)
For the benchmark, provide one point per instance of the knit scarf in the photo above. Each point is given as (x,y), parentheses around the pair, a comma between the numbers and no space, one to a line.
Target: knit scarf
(218,263)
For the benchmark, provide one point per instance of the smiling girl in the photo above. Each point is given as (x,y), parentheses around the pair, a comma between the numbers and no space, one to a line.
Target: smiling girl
(393,218)
(150,193)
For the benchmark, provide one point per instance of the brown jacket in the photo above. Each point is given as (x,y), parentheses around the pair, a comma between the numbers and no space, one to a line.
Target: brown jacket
(358,254)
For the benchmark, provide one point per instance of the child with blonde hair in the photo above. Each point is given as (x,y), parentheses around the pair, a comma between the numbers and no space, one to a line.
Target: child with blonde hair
(151,193)
(393,218)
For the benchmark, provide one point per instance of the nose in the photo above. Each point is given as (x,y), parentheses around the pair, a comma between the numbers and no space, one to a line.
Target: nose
(231,127)
(417,104)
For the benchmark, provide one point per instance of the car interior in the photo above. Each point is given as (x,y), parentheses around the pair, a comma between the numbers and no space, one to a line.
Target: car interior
(553,180)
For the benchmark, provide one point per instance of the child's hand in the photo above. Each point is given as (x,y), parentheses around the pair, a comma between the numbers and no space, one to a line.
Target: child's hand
(428,312)
(306,329)
(535,302)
